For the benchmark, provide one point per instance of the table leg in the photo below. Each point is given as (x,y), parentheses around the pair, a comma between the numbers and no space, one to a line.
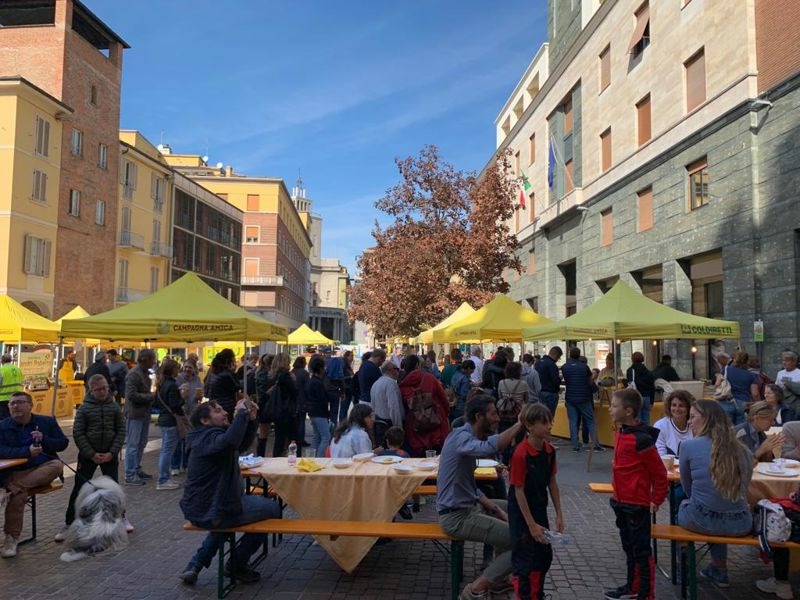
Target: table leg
(692,572)
(673,545)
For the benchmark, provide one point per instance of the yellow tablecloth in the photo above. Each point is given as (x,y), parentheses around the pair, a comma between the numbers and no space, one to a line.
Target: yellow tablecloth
(768,486)
(364,492)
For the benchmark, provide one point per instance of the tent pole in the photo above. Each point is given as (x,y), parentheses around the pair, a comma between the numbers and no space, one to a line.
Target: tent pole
(59,352)
(244,370)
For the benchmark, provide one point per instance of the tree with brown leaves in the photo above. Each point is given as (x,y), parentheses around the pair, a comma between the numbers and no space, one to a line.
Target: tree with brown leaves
(449,243)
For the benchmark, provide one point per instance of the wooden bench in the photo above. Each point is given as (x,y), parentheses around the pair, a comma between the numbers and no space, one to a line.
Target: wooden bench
(601,488)
(425,490)
(677,534)
(334,529)
(53,486)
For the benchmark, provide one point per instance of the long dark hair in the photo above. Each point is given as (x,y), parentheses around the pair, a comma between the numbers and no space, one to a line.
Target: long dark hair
(358,417)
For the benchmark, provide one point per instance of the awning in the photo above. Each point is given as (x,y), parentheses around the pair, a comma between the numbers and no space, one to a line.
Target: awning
(426,337)
(642,19)
(18,324)
(502,319)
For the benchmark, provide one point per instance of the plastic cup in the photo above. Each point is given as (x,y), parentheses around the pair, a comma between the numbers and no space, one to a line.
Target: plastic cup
(430,454)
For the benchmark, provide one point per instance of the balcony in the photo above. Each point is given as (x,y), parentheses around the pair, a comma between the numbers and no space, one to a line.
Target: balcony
(128,239)
(158,249)
(271,281)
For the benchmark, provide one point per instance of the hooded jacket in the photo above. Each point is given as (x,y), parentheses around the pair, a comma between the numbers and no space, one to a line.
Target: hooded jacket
(98,427)
(213,486)
(638,474)
(418,442)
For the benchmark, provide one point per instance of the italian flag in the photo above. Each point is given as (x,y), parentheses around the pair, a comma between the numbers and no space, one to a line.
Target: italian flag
(525,187)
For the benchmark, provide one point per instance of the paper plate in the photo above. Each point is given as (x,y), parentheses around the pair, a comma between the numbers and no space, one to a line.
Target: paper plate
(768,469)
(403,469)
(363,456)
(487,462)
(386,460)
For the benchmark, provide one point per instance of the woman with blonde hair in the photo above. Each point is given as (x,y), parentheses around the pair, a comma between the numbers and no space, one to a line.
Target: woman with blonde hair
(715,474)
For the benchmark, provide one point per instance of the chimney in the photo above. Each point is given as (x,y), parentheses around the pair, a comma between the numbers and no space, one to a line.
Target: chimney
(229,171)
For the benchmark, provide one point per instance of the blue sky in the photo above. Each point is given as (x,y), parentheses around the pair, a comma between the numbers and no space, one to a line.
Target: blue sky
(336,89)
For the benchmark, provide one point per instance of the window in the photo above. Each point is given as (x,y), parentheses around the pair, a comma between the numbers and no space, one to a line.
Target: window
(155,276)
(532,148)
(251,234)
(156,231)
(125,224)
(93,96)
(122,293)
(100,213)
(36,259)
(41,140)
(605,150)
(606,228)
(695,69)
(253,202)
(531,207)
(643,125)
(641,33)
(605,68)
(698,183)
(566,108)
(531,262)
(74,203)
(517,166)
(39,192)
(645,206)
(102,156)
(251,267)
(76,143)
(128,174)
(568,183)
(157,185)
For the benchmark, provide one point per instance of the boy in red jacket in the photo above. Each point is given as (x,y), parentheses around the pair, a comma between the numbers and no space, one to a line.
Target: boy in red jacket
(640,486)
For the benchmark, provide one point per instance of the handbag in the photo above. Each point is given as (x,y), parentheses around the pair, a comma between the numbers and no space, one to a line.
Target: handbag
(771,525)
(182,422)
(632,383)
(724,390)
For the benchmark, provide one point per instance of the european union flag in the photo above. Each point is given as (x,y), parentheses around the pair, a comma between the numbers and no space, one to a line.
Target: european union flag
(551,166)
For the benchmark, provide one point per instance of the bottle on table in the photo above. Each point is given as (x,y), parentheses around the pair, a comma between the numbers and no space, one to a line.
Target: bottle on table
(292,454)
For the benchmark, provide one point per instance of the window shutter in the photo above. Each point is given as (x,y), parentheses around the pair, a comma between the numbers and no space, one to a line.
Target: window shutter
(695,80)
(46,146)
(43,184)
(26,256)
(35,187)
(153,186)
(642,19)
(46,266)
(122,166)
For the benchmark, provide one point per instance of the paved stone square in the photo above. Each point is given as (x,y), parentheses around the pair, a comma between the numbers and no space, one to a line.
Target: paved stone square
(299,570)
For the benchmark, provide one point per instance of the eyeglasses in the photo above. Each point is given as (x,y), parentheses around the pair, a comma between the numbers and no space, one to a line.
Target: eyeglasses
(18,402)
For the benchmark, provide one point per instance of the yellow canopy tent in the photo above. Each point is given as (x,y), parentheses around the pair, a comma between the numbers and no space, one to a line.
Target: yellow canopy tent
(187,310)
(305,336)
(77,313)
(19,324)
(502,319)
(625,314)
(463,311)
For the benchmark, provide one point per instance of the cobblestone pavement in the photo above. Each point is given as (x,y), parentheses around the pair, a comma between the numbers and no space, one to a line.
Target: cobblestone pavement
(298,569)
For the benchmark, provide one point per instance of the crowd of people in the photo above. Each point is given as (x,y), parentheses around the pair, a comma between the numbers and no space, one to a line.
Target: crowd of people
(404,405)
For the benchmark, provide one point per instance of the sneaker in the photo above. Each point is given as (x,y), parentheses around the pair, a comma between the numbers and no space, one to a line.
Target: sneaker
(135,480)
(175,472)
(61,535)
(242,573)
(468,594)
(9,547)
(189,575)
(576,449)
(599,449)
(623,592)
(781,589)
(405,512)
(168,485)
(143,475)
(719,577)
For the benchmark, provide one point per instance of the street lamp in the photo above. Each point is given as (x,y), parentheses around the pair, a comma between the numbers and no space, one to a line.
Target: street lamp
(694,365)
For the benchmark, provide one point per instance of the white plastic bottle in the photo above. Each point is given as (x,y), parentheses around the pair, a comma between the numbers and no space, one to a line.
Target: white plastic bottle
(292,455)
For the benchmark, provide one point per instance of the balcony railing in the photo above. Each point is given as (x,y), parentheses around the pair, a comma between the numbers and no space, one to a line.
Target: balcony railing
(158,249)
(271,281)
(131,240)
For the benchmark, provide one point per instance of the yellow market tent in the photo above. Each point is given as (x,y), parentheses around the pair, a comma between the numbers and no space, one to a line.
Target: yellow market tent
(625,314)
(502,319)
(19,324)
(305,336)
(463,311)
(187,310)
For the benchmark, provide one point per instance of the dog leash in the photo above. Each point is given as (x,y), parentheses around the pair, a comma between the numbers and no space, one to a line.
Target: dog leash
(85,479)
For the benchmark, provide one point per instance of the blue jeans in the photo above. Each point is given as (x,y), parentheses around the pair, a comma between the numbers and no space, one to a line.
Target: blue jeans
(180,458)
(136,440)
(644,414)
(322,435)
(550,400)
(711,522)
(254,508)
(586,412)
(169,442)
(734,409)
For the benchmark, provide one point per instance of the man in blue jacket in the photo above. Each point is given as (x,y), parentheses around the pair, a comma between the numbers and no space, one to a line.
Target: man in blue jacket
(212,497)
(550,378)
(38,439)
(578,397)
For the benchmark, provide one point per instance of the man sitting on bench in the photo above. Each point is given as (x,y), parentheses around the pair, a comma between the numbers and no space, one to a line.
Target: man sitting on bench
(37,438)
(465,513)
(212,496)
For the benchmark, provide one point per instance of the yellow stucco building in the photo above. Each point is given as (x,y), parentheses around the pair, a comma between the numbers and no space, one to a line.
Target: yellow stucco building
(30,159)
(144,245)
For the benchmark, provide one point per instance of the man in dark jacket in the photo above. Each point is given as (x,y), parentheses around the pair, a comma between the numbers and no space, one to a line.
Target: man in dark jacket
(550,378)
(369,372)
(99,432)
(98,367)
(138,400)
(36,438)
(578,396)
(644,382)
(665,370)
(212,496)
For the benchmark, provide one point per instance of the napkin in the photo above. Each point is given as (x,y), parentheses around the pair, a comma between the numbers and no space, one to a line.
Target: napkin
(485,471)
(308,465)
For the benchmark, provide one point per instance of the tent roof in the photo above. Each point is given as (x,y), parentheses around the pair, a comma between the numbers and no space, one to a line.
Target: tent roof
(502,319)
(426,337)
(187,310)
(19,324)
(76,313)
(624,313)
(305,336)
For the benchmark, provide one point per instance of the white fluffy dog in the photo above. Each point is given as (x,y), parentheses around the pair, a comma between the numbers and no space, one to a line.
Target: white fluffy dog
(100,520)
